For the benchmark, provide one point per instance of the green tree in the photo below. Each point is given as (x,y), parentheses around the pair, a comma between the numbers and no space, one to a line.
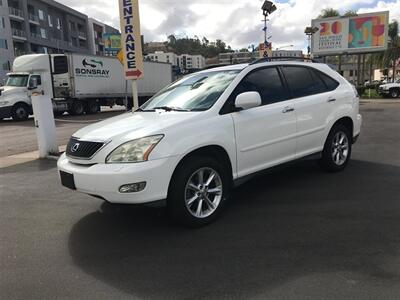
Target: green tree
(388,58)
(328,13)
(350,13)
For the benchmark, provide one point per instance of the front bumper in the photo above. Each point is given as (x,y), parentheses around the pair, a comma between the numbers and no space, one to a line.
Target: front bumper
(104,180)
(383,92)
(5,112)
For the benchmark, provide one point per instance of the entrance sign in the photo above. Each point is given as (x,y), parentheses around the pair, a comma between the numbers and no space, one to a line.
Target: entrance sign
(359,34)
(131,39)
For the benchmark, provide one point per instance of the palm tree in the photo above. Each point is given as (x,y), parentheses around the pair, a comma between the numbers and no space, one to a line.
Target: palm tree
(389,57)
(329,13)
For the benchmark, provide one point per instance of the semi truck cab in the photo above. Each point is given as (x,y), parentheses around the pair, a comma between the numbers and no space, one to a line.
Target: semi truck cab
(15,98)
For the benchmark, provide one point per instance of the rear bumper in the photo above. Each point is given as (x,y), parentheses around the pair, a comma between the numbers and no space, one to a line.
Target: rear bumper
(5,112)
(357,127)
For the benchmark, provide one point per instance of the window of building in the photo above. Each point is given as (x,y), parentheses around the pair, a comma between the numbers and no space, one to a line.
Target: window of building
(3,44)
(41,14)
(6,66)
(302,82)
(50,22)
(72,26)
(3,23)
(58,24)
(43,33)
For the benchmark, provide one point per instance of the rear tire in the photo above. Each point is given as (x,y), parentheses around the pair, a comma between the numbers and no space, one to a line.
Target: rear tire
(92,107)
(20,112)
(77,108)
(198,191)
(337,149)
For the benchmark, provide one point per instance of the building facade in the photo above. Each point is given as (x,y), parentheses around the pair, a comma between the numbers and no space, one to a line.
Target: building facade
(287,53)
(185,62)
(97,30)
(40,26)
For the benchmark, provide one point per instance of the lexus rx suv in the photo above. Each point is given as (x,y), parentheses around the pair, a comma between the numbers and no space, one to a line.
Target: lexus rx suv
(196,138)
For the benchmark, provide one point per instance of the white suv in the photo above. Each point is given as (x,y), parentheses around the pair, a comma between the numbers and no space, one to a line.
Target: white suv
(192,141)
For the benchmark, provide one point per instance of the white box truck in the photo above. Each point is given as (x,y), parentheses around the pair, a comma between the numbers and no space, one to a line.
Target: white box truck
(77,83)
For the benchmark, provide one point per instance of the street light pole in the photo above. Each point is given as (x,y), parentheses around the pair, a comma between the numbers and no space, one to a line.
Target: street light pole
(267,8)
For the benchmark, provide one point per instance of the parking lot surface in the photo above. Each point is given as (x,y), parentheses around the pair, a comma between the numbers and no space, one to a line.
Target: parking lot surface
(294,233)
(20,137)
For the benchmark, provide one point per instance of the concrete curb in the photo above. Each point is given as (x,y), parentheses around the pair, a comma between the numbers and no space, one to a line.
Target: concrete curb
(380,101)
(17,159)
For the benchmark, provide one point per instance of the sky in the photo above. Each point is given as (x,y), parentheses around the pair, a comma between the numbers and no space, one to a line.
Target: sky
(236,22)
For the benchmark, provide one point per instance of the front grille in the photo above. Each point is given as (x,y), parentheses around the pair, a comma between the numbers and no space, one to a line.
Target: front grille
(82,149)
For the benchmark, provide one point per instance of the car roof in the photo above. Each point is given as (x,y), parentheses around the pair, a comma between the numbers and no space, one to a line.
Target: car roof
(240,67)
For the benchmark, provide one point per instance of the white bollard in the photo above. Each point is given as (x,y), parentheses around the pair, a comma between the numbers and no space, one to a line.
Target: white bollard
(45,125)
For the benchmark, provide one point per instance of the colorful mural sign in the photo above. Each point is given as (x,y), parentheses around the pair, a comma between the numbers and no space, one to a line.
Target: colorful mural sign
(363,33)
(112,43)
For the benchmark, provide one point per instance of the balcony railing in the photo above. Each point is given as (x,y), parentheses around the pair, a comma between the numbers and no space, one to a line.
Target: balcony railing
(33,18)
(18,33)
(82,34)
(36,35)
(19,52)
(16,12)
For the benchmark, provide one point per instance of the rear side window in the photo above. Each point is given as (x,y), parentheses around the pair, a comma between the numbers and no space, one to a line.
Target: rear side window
(266,82)
(303,81)
(330,83)
(60,65)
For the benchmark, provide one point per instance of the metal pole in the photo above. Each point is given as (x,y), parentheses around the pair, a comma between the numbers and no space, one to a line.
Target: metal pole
(135,96)
(265,31)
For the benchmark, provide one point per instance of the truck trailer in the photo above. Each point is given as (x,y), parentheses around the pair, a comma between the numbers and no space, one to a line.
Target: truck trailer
(77,83)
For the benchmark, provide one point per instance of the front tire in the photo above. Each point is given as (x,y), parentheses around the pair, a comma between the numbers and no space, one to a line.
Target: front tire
(198,191)
(394,93)
(20,112)
(337,149)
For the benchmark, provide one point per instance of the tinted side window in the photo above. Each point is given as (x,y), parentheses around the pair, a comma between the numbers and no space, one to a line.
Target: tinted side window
(38,79)
(60,65)
(266,82)
(330,83)
(303,82)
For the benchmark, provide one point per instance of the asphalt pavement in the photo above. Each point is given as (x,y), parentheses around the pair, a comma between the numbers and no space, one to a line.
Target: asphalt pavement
(20,137)
(295,233)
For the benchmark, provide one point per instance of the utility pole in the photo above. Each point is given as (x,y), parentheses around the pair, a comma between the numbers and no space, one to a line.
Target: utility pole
(267,8)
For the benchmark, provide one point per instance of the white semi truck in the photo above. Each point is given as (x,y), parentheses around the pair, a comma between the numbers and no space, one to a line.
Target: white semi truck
(77,83)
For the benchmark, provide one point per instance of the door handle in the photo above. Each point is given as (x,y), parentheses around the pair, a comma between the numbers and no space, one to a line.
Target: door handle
(331,100)
(287,109)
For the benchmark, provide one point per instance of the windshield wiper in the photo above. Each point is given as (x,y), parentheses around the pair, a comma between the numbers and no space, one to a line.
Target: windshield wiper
(170,108)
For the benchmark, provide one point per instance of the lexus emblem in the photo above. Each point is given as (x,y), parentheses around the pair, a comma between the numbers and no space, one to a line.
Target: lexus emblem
(75,147)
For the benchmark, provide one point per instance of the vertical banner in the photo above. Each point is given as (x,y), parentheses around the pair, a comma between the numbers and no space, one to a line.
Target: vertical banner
(131,39)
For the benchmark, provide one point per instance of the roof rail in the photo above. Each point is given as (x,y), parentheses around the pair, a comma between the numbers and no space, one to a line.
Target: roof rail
(281,58)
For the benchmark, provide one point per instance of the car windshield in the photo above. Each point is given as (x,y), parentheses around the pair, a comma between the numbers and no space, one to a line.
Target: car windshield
(17,80)
(196,92)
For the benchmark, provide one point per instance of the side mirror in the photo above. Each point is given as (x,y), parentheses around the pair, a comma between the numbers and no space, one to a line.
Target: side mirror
(32,84)
(248,100)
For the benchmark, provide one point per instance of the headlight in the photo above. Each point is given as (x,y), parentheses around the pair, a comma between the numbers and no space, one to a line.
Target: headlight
(134,151)
(4,103)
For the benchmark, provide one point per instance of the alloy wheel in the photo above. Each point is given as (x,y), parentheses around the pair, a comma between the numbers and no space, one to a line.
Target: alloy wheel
(203,192)
(340,148)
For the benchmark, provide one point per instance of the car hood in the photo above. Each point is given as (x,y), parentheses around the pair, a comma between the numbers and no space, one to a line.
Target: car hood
(130,126)
(389,85)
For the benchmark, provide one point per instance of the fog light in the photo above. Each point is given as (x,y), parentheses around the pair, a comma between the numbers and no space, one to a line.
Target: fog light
(132,187)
